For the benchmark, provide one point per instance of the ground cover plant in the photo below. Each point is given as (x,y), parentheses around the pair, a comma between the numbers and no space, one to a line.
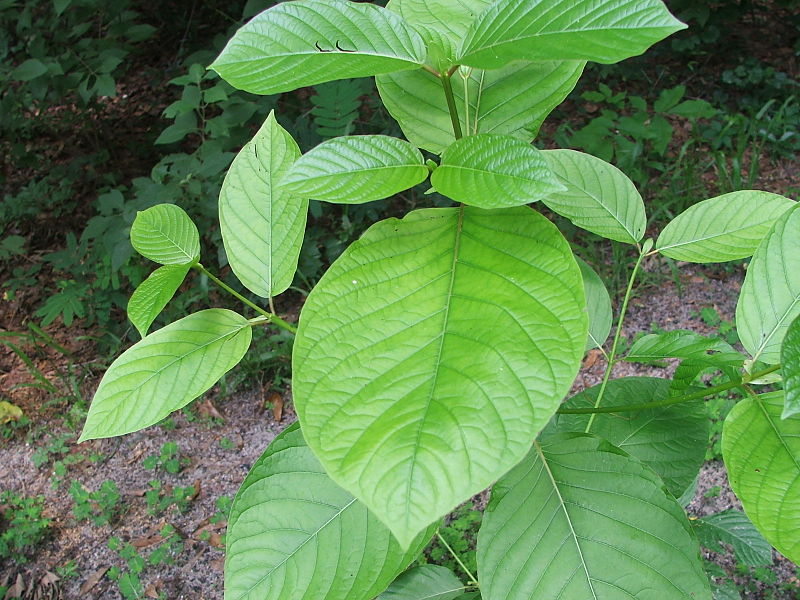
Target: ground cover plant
(431,360)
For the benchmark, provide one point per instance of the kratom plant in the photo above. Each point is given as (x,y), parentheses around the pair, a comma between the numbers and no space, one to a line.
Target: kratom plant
(431,360)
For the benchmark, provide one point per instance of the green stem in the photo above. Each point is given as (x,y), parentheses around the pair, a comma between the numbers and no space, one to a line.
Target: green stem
(670,401)
(271,317)
(451,105)
(472,580)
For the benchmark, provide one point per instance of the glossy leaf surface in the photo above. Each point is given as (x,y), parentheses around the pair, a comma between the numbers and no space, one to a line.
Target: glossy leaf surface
(733,527)
(426,582)
(598,306)
(165,234)
(153,294)
(790,369)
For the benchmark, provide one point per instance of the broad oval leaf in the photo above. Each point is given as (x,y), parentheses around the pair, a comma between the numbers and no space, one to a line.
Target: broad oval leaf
(598,197)
(165,371)
(598,306)
(165,234)
(733,527)
(419,341)
(263,225)
(451,18)
(305,42)
(671,440)
(770,296)
(294,534)
(153,294)
(426,582)
(724,228)
(579,518)
(604,31)
(493,171)
(356,169)
(762,456)
(790,369)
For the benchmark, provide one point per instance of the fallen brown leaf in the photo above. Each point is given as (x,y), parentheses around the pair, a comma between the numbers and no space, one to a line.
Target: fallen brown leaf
(277,405)
(93,579)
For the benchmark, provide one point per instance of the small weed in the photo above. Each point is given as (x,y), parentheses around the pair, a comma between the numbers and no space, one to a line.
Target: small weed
(713,492)
(129,578)
(227,444)
(169,460)
(160,498)
(224,504)
(101,506)
(24,525)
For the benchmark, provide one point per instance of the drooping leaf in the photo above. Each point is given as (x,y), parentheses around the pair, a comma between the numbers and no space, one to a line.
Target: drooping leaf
(426,582)
(356,169)
(305,42)
(419,341)
(598,306)
(165,371)
(262,225)
(165,234)
(604,31)
(671,440)
(770,296)
(724,228)
(598,198)
(790,369)
(579,518)
(293,533)
(153,294)
(733,527)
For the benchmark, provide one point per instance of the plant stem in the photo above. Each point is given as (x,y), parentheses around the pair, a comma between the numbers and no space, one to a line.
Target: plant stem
(451,104)
(470,576)
(271,317)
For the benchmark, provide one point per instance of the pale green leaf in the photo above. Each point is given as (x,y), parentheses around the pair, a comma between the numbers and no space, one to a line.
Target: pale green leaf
(421,340)
(263,225)
(451,18)
(294,534)
(426,582)
(604,31)
(790,369)
(165,371)
(356,169)
(305,42)
(153,294)
(770,296)
(598,306)
(762,456)
(734,528)
(724,228)
(579,518)
(598,197)
(165,234)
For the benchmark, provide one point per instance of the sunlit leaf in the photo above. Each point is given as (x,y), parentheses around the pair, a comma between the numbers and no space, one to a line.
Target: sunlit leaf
(153,294)
(598,305)
(165,234)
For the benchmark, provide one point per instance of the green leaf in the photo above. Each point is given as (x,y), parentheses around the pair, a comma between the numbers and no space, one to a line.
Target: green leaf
(302,43)
(153,294)
(417,344)
(604,31)
(579,518)
(770,296)
(451,18)
(165,371)
(598,306)
(493,171)
(29,70)
(762,456)
(734,528)
(293,533)
(356,169)
(263,225)
(671,440)
(724,228)
(165,234)
(427,582)
(598,197)
(790,369)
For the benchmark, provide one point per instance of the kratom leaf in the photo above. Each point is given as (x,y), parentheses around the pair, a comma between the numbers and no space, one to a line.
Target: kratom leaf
(671,440)
(790,369)
(762,456)
(770,296)
(598,306)
(153,294)
(419,341)
(165,371)
(734,528)
(579,518)
(356,169)
(604,31)
(598,197)
(426,582)
(262,225)
(451,18)
(305,42)
(724,228)
(165,234)
(293,533)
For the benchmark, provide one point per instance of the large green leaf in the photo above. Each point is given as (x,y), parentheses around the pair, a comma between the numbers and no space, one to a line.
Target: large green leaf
(263,225)
(762,456)
(356,169)
(305,42)
(165,371)
(790,369)
(733,527)
(605,31)
(598,305)
(579,518)
(493,171)
(770,296)
(426,582)
(420,341)
(598,197)
(294,534)
(451,18)
(669,439)
(165,234)
(724,228)
(153,294)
